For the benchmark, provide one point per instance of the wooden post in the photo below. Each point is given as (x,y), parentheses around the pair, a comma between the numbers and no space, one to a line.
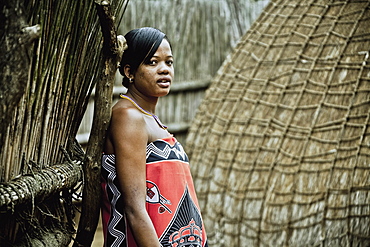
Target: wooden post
(102,113)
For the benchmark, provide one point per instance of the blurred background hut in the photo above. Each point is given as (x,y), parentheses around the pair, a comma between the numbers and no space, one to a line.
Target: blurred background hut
(280,147)
(202,33)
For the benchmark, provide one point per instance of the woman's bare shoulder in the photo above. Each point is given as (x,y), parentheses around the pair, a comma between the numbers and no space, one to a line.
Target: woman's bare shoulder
(127,123)
(125,110)
(127,120)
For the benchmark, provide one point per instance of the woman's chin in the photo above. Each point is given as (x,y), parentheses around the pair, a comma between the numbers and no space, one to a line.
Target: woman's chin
(163,92)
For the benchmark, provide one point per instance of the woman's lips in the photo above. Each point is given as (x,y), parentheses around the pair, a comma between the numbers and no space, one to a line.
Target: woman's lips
(164,82)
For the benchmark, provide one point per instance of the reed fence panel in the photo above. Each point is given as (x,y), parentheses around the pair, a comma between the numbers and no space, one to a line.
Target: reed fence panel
(37,182)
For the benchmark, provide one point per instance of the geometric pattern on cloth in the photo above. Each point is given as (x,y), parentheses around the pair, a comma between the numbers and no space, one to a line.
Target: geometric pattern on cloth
(116,234)
(162,150)
(181,220)
(171,200)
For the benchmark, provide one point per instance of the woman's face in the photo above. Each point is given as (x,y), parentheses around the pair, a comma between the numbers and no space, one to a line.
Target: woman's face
(154,78)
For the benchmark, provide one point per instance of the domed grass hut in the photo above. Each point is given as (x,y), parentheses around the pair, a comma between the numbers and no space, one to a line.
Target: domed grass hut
(280,146)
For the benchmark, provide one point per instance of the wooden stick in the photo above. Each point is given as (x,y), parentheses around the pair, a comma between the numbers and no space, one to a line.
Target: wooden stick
(102,113)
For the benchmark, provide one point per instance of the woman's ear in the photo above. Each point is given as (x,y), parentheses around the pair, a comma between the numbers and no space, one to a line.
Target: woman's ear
(128,71)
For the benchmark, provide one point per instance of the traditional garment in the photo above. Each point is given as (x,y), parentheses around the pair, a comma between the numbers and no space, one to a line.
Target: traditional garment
(171,201)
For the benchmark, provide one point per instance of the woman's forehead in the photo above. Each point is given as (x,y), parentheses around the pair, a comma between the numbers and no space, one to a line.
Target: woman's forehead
(163,49)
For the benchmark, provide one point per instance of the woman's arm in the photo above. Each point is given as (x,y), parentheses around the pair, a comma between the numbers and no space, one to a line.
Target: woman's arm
(130,138)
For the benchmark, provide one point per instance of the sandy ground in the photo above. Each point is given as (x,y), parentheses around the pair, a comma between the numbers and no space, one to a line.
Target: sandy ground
(98,238)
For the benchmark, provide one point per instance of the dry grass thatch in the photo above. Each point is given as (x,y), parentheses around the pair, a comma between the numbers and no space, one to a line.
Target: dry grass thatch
(280,148)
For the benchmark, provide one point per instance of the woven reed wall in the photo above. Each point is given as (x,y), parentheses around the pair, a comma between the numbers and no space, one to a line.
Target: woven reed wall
(63,67)
(202,34)
(280,147)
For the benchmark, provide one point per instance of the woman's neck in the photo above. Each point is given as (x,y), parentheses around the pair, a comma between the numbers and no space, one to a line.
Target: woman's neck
(147,103)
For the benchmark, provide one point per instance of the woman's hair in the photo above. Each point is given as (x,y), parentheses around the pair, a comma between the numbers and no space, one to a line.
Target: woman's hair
(142,44)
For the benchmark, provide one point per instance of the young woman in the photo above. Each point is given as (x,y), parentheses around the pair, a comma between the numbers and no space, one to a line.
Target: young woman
(149,196)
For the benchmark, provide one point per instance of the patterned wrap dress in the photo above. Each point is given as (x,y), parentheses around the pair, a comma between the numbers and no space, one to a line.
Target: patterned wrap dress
(171,201)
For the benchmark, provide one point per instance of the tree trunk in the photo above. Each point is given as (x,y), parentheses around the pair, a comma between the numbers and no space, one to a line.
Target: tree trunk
(102,112)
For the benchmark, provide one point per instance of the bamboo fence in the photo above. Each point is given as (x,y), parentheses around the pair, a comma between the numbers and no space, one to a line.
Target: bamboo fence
(64,66)
(280,146)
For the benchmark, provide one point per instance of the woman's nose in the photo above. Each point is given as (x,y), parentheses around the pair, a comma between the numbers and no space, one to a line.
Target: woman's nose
(163,68)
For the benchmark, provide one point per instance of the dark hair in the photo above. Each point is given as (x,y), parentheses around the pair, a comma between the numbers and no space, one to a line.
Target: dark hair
(142,44)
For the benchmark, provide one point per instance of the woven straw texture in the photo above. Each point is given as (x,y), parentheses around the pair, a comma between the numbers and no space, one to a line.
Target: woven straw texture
(280,145)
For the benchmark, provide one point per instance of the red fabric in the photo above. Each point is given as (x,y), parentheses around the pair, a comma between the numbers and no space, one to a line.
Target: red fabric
(171,200)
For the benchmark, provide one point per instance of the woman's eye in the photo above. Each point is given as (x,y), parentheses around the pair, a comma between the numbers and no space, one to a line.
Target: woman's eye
(170,62)
(152,62)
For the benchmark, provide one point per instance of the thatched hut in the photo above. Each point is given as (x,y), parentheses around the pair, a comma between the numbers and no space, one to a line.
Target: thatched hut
(280,146)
